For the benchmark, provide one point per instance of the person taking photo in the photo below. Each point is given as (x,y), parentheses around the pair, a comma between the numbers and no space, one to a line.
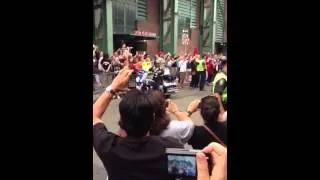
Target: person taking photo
(138,155)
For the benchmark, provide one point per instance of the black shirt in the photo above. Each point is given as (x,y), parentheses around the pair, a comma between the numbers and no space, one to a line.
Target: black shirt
(201,137)
(106,63)
(225,123)
(132,158)
(193,66)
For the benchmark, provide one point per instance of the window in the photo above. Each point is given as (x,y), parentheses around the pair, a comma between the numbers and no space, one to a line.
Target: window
(141,9)
(220,21)
(123,16)
(193,17)
(98,23)
(183,24)
(184,8)
(188,9)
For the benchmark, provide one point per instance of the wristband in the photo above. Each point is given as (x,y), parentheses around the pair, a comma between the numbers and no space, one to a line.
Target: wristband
(110,90)
(189,113)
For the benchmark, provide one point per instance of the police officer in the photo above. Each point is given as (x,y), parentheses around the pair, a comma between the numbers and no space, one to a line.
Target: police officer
(201,71)
(219,88)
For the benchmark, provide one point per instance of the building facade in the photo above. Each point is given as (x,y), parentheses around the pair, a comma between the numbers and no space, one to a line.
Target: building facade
(160,25)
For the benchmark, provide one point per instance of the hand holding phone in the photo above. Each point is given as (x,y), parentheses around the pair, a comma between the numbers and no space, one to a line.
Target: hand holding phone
(219,155)
(182,163)
(171,106)
(193,106)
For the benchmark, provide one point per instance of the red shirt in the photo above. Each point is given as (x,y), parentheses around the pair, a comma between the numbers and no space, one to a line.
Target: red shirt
(132,66)
(138,65)
(210,68)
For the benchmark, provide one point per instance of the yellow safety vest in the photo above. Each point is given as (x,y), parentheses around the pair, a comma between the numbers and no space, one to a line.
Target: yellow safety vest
(219,76)
(201,64)
(146,65)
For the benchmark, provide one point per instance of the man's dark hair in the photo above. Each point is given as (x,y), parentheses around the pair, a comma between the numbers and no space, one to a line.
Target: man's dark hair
(210,110)
(136,113)
(223,62)
(162,119)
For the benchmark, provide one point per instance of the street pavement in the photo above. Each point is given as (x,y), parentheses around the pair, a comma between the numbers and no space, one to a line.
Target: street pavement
(111,118)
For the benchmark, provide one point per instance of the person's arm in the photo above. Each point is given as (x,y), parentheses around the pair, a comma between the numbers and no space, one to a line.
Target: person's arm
(120,82)
(193,107)
(108,69)
(117,50)
(100,107)
(102,138)
(181,116)
(181,128)
(223,117)
(219,170)
(100,67)
(95,48)
(173,108)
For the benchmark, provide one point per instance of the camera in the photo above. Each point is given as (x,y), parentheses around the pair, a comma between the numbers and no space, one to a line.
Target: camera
(182,163)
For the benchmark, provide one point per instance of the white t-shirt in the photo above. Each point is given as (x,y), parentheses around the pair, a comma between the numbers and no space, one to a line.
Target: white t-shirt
(170,62)
(162,63)
(166,71)
(183,65)
(100,64)
(179,130)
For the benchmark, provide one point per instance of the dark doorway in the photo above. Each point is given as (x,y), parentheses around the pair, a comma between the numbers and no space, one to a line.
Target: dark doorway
(138,43)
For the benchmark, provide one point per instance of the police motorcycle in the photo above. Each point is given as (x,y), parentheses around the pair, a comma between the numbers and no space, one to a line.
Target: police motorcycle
(156,79)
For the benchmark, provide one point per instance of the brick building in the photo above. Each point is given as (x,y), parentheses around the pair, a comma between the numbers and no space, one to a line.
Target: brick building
(158,25)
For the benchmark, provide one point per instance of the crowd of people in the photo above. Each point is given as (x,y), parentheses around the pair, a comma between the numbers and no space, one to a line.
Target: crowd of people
(188,68)
(137,150)
(181,165)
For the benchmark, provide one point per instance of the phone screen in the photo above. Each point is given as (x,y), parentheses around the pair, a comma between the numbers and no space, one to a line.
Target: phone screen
(182,165)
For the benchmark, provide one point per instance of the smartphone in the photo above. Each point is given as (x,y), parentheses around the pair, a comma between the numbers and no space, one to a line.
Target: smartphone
(182,163)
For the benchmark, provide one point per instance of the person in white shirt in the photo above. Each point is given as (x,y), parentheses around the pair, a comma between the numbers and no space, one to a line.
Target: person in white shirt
(183,70)
(188,74)
(180,129)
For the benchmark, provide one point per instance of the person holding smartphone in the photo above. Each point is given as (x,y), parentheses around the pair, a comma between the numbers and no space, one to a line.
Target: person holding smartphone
(180,128)
(138,155)
(210,163)
(219,155)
